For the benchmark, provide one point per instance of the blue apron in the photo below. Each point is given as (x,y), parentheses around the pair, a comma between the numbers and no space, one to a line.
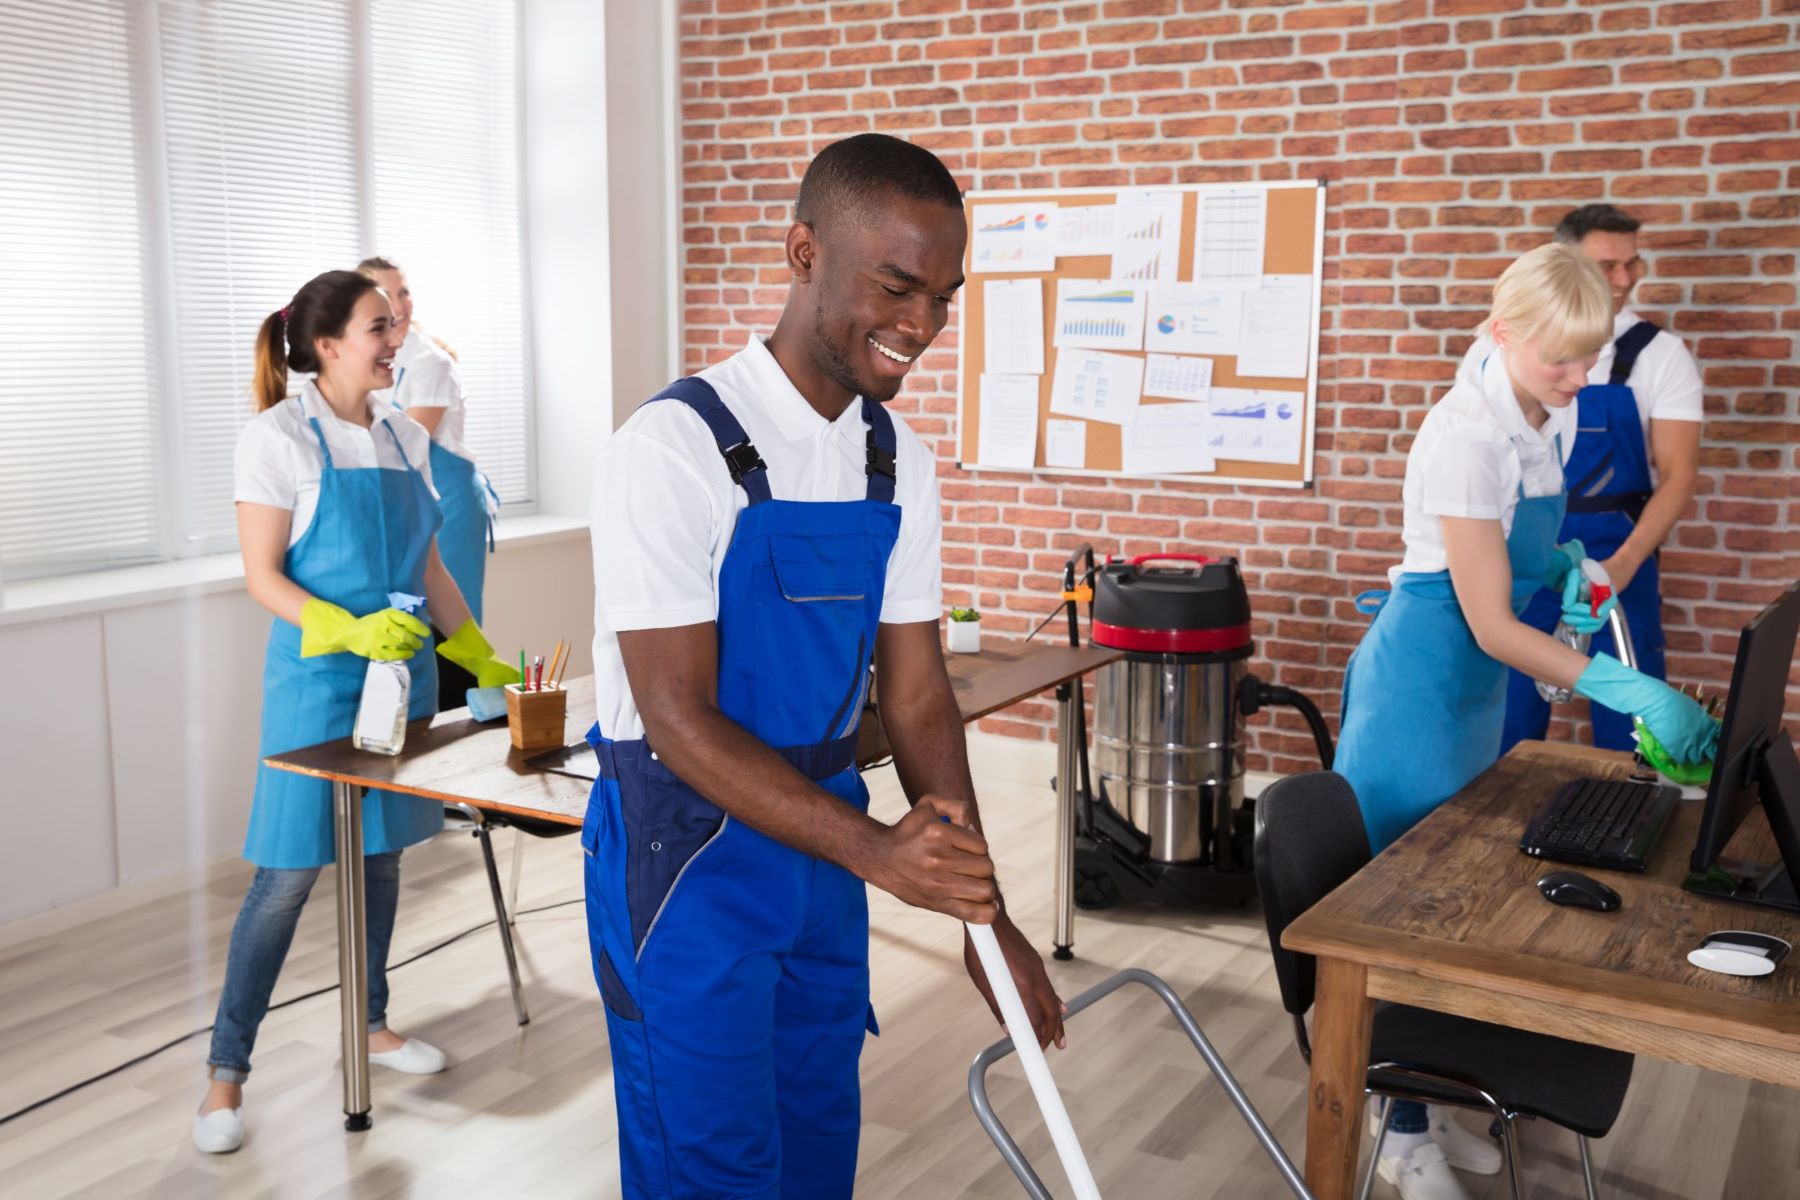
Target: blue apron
(468,502)
(1609,484)
(370,535)
(1423,703)
(734,969)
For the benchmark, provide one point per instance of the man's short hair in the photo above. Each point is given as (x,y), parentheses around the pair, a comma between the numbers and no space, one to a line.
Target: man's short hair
(1593,218)
(848,176)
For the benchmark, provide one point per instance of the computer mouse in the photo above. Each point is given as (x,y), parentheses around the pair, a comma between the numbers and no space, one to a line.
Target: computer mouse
(1578,891)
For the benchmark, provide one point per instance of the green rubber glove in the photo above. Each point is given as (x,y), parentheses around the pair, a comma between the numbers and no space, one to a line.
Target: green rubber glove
(385,635)
(1578,610)
(468,649)
(1564,559)
(1681,728)
(1686,774)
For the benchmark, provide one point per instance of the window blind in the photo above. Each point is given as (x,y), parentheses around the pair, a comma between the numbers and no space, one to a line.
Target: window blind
(443,80)
(78,481)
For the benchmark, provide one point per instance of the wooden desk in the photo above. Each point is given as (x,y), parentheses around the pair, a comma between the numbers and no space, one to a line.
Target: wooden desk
(459,761)
(1448,918)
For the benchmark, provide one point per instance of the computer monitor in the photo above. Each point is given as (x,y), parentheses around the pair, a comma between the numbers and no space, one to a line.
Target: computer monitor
(1756,762)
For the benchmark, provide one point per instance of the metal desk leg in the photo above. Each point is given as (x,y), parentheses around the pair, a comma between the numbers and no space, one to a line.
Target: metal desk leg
(353,953)
(1067,765)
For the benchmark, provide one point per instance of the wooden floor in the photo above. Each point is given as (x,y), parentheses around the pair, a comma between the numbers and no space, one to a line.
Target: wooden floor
(528,1112)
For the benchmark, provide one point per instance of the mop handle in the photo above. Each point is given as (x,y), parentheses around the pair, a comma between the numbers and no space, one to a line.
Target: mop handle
(1037,1071)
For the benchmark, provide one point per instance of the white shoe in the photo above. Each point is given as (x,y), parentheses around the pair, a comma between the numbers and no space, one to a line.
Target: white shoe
(1422,1175)
(220,1131)
(414,1057)
(1466,1151)
(1463,1150)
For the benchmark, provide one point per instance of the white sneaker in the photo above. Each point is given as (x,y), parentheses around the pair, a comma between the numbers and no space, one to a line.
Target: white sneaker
(414,1057)
(220,1131)
(1466,1151)
(1422,1175)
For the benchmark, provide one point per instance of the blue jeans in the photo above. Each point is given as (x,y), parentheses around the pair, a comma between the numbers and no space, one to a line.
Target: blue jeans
(1407,1116)
(259,945)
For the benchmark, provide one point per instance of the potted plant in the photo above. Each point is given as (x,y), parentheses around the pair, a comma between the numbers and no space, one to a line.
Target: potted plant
(965,631)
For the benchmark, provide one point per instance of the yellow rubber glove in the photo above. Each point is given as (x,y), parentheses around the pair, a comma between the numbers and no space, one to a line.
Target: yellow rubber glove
(468,649)
(384,635)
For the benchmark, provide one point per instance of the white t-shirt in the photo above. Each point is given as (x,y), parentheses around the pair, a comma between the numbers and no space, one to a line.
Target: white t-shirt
(1664,380)
(278,461)
(1474,453)
(426,377)
(664,509)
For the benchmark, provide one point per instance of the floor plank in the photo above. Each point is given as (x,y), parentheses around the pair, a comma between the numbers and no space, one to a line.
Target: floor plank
(529,1112)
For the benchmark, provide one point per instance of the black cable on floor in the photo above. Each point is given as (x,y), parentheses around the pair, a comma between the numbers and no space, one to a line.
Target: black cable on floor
(149,1054)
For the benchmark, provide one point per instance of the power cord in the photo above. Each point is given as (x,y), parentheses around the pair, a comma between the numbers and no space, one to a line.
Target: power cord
(149,1054)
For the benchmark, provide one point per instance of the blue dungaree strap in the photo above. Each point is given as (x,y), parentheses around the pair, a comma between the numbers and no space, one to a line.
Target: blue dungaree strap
(747,468)
(1588,494)
(881,446)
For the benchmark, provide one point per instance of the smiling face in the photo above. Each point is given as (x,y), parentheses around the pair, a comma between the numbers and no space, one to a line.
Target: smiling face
(1616,254)
(874,291)
(361,359)
(399,295)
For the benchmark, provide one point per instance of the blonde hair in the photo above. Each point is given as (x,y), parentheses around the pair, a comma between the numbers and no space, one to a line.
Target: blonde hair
(1556,296)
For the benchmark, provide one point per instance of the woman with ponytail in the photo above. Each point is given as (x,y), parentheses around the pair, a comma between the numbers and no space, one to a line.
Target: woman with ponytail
(336,516)
(428,388)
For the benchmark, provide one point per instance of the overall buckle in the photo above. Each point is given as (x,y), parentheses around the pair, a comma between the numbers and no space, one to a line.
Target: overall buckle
(880,462)
(742,459)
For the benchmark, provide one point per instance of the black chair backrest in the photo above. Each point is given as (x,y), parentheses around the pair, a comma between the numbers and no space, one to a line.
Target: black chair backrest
(1310,837)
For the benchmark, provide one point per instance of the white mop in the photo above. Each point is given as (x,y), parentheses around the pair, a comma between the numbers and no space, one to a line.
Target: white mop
(1037,1071)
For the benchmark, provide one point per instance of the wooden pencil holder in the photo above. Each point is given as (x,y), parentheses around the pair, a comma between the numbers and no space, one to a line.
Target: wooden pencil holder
(535,719)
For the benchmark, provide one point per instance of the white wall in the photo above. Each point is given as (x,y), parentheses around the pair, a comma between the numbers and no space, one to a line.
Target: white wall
(132,753)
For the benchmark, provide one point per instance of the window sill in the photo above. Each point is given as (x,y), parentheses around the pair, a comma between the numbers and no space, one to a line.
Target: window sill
(104,591)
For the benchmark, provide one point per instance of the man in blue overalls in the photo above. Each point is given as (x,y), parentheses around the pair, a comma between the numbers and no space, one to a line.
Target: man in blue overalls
(1631,470)
(762,531)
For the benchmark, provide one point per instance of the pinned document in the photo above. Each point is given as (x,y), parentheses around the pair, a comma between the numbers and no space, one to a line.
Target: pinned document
(1012,328)
(1167,439)
(1065,443)
(1177,376)
(1096,386)
(1191,319)
(1019,236)
(1228,238)
(1099,314)
(1147,237)
(1255,425)
(1009,415)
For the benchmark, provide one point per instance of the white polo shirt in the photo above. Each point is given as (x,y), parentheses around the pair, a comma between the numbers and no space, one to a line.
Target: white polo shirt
(1472,456)
(278,461)
(664,509)
(1664,380)
(427,378)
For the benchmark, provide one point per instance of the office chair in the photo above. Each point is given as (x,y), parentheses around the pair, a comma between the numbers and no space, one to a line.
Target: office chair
(478,822)
(1309,839)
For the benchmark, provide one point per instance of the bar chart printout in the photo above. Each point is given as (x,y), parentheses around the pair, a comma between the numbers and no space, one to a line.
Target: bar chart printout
(1099,314)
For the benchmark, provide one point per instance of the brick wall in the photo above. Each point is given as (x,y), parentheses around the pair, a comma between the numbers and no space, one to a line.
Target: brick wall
(1454,134)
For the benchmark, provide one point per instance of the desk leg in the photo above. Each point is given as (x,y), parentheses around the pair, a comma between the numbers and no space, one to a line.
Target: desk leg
(353,953)
(1342,1020)
(1068,765)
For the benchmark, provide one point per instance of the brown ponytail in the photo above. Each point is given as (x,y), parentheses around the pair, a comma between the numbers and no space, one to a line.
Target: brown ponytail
(269,384)
(320,309)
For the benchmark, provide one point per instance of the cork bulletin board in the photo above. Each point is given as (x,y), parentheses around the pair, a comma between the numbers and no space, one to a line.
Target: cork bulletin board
(1098,288)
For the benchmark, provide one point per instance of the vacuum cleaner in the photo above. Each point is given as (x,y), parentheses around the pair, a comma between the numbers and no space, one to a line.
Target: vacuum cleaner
(1168,822)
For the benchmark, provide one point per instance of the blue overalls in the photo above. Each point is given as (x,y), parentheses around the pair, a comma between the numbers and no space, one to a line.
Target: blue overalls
(370,535)
(468,502)
(1609,477)
(734,969)
(1423,703)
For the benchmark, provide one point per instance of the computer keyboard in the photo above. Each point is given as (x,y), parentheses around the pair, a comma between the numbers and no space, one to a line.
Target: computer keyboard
(1608,823)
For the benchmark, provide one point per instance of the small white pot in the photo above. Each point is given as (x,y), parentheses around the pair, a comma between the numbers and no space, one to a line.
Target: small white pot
(965,637)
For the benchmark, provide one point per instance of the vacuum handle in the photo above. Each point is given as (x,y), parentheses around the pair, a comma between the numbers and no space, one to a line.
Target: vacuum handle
(1202,559)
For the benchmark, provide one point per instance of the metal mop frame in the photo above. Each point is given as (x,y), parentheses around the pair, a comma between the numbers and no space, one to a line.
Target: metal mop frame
(1009,1149)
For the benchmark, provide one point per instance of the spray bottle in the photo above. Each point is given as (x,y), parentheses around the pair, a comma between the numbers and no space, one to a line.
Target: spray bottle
(1600,591)
(386,695)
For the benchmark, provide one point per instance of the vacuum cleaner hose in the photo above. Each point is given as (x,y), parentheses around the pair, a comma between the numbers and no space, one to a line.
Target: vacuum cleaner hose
(1255,695)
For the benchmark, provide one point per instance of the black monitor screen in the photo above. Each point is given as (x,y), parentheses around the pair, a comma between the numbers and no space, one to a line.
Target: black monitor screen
(1753,721)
